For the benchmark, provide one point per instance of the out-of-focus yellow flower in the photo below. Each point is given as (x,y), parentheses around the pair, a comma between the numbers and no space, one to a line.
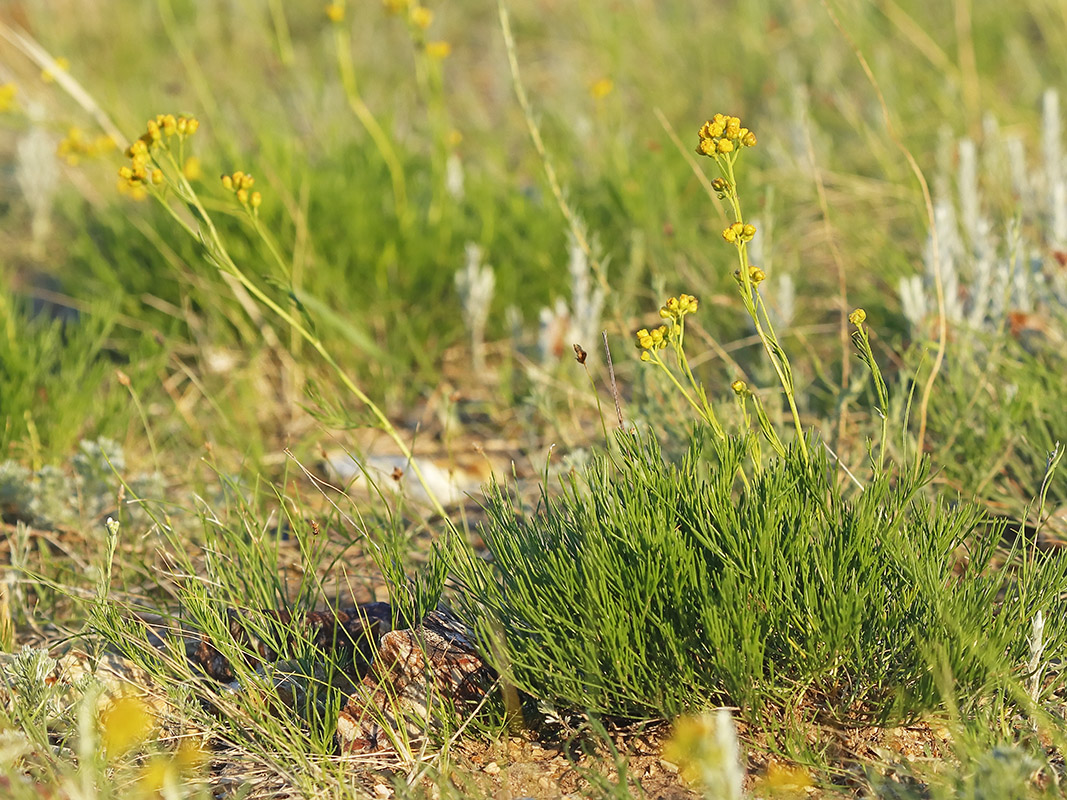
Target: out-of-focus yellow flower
(125,723)
(7,97)
(601,88)
(783,781)
(438,50)
(191,168)
(421,17)
(335,12)
(396,6)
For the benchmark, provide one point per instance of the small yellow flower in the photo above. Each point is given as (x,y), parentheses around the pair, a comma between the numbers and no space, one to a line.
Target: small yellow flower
(722,135)
(7,97)
(857,317)
(125,723)
(191,168)
(335,12)
(739,387)
(421,17)
(645,356)
(730,234)
(132,189)
(256,200)
(756,275)
(601,88)
(438,51)
(242,196)
(157,176)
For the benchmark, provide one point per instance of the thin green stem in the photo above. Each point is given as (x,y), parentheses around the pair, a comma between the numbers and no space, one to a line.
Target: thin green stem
(209,236)
(747,288)
(366,117)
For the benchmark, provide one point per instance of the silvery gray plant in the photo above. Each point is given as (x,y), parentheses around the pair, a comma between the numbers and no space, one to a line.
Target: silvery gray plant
(475,284)
(992,269)
(564,325)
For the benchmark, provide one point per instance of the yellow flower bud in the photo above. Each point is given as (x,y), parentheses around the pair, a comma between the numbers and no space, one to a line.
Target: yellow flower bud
(157,176)
(438,51)
(192,125)
(256,200)
(749,139)
(645,356)
(227,183)
(601,88)
(335,12)
(739,387)
(665,313)
(242,196)
(725,146)
(756,275)
(125,173)
(421,17)
(170,125)
(730,234)
(857,317)
(191,168)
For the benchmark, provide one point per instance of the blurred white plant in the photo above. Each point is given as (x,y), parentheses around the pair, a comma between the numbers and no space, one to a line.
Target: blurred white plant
(475,284)
(454,177)
(578,323)
(37,173)
(705,747)
(989,278)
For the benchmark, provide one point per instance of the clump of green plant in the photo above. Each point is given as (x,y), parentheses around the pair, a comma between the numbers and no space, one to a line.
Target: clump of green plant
(649,588)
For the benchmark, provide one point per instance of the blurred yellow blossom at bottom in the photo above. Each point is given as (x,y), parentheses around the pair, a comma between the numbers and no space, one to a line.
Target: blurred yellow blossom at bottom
(783,781)
(706,751)
(125,723)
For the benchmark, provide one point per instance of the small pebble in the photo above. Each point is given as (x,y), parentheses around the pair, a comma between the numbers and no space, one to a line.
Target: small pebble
(492,768)
(382,791)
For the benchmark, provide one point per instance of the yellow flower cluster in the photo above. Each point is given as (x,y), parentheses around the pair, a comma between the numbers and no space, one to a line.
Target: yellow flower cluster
(857,317)
(655,339)
(677,307)
(755,275)
(739,232)
(157,134)
(239,183)
(76,146)
(722,134)
(673,311)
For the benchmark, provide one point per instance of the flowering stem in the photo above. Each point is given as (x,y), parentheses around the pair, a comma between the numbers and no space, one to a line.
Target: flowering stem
(747,288)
